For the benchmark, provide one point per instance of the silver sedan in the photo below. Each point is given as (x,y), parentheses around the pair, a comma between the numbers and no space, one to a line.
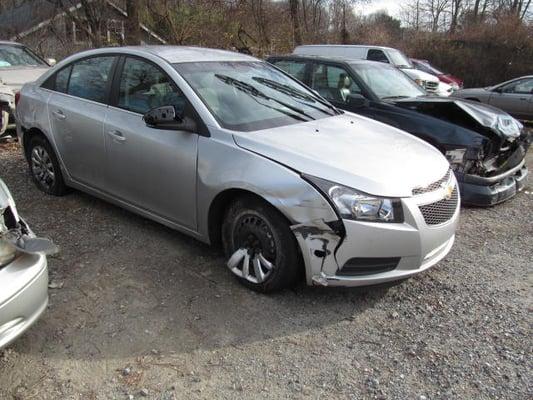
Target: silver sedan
(231,150)
(23,272)
(514,96)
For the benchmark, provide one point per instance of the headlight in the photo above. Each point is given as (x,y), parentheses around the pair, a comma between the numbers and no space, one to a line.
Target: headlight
(352,204)
(455,86)
(421,82)
(7,252)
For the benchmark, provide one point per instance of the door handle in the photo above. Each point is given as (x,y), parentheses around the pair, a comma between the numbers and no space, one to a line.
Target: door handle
(116,135)
(59,114)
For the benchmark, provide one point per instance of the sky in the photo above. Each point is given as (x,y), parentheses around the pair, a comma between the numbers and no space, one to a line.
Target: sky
(391,6)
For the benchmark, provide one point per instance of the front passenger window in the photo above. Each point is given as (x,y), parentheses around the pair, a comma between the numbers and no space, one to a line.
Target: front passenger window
(144,86)
(89,78)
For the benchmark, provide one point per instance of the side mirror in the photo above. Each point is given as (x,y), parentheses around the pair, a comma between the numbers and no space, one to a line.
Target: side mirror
(51,61)
(498,90)
(357,101)
(166,117)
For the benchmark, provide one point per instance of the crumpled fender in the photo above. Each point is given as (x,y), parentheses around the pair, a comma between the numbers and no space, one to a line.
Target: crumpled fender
(318,242)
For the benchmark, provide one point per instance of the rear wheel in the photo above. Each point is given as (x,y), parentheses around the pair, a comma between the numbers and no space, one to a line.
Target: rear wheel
(261,249)
(44,167)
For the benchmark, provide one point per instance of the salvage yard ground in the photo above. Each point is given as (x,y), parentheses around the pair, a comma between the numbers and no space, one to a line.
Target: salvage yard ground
(137,309)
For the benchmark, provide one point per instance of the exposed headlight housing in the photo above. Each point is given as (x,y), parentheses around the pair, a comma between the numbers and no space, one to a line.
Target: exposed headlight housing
(360,206)
(420,82)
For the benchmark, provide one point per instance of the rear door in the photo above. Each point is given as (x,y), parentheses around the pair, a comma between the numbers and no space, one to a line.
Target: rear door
(296,68)
(77,108)
(333,82)
(153,169)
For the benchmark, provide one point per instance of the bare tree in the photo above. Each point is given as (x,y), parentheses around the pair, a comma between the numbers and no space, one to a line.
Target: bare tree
(293,11)
(133,23)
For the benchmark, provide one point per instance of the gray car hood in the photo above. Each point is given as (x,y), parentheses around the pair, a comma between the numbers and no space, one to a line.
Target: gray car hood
(16,77)
(353,151)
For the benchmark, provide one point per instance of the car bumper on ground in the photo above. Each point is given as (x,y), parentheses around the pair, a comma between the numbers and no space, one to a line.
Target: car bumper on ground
(480,191)
(373,253)
(23,295)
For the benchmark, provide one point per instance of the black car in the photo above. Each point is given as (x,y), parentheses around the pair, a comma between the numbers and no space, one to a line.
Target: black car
(485,146)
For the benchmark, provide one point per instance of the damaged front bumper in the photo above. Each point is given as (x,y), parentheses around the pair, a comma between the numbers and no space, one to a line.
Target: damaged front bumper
(489,191)
(23,272)
(369,253)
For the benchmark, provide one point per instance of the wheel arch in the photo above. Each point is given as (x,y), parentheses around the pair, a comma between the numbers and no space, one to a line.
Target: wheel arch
(26,138)
(220,204)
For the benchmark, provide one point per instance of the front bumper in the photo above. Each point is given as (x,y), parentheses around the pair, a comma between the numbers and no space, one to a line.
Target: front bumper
(391,251)
(23,295)
(480,191)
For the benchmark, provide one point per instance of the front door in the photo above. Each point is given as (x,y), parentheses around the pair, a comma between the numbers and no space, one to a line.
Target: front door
(515,98)
(153,169)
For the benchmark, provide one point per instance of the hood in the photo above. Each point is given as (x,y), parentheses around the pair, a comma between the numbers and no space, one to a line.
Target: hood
(15,78)
(417,74)
(353,151)
(454,109)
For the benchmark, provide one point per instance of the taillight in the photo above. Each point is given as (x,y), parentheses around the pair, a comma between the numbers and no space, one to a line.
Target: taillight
(17,98)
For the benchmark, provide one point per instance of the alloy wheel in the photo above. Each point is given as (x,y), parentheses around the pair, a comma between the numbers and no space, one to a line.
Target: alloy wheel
(42,167)
(256,250)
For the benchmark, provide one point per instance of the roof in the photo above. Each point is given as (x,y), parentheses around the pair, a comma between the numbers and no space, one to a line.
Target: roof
(329,58)
(10,43)
(178,54)
(347,45)
(171,54)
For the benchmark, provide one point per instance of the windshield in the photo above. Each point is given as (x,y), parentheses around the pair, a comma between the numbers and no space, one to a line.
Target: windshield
(248,96)
(11,56)
(399,59)
(387,82)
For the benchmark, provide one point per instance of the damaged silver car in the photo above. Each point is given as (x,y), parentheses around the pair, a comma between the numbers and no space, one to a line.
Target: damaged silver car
(23,272)
(230,150)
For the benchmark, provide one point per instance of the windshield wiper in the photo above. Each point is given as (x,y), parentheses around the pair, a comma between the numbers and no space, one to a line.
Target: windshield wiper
(394,97)
(289,91)
(253,91)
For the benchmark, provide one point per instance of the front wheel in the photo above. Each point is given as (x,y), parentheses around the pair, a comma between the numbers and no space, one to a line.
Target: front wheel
(261,250)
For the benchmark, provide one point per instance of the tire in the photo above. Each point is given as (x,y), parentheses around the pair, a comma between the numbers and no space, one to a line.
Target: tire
(44,167)
(252,228)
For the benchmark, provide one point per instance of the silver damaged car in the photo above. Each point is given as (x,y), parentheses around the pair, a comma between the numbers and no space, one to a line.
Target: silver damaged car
(23,272)
(231,150)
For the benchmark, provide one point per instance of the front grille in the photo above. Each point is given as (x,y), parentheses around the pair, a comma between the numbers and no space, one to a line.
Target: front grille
(433,186)
(442,210)
(432,86)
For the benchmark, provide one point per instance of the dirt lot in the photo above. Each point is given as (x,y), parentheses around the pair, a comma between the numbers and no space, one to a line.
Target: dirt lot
(138,310)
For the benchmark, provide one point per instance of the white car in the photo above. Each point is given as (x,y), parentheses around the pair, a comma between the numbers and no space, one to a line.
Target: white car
(387,55)
(18,65)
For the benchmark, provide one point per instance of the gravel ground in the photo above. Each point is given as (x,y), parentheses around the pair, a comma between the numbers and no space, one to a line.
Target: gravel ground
(140,311)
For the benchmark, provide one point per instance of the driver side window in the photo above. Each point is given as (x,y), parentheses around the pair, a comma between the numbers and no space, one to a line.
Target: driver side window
(144,86)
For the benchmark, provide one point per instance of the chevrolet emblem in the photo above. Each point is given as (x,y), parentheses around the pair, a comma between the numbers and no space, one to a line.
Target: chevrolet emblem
(448,190)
